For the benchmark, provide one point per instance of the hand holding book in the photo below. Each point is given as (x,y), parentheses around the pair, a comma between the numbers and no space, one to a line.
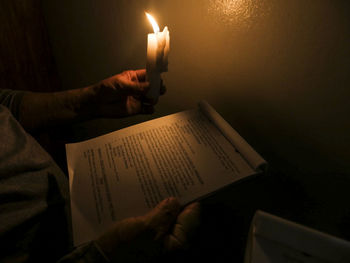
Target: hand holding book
(166,228)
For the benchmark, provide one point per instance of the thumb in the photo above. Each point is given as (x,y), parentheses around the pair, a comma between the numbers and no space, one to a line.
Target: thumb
(184,229)
(163,216)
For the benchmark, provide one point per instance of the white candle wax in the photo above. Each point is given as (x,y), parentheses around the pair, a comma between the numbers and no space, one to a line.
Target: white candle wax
(166,49)
(158,47)
(153,71)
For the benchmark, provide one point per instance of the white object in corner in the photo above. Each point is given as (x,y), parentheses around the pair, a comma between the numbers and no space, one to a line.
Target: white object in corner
(276,240)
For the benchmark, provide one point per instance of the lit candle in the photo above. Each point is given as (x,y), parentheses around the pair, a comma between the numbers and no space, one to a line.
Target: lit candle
(158,46)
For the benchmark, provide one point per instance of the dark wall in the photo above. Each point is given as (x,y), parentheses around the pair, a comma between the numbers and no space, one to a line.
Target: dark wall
(276,70)
(26,60)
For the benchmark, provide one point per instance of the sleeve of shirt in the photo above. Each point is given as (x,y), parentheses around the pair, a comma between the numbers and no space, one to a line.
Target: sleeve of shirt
(89,253)
(12,100)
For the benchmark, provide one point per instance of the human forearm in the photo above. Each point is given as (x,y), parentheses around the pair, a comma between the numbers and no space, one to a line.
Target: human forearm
(118,96)
(40,110)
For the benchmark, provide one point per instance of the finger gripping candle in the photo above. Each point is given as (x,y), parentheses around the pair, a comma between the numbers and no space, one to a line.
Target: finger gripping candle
(158,46)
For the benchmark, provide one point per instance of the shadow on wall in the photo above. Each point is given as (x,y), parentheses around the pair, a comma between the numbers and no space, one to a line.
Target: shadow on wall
(276,70)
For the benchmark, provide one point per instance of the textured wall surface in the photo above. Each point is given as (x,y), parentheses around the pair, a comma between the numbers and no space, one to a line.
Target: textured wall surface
(278,71)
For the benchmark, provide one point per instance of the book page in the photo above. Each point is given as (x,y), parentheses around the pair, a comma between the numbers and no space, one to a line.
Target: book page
(128,172)
(249,154)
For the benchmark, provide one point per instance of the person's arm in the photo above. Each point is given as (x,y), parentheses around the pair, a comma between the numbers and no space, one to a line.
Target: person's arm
(164,230)
(118,96)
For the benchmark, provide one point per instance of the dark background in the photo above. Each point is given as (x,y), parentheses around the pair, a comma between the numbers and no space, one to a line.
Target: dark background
(277,71)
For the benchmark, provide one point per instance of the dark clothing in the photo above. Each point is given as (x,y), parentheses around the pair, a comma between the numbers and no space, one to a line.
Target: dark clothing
(35,224)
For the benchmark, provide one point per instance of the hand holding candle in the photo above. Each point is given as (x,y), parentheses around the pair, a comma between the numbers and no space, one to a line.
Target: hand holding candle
(158,46)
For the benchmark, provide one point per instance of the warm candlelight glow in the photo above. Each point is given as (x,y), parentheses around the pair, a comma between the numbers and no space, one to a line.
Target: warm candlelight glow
(238,13)
(153,22)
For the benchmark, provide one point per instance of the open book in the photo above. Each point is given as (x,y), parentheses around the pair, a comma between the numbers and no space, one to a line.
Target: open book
(126,173)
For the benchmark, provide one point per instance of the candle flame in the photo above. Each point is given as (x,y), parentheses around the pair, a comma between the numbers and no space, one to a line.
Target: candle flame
(153,22)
